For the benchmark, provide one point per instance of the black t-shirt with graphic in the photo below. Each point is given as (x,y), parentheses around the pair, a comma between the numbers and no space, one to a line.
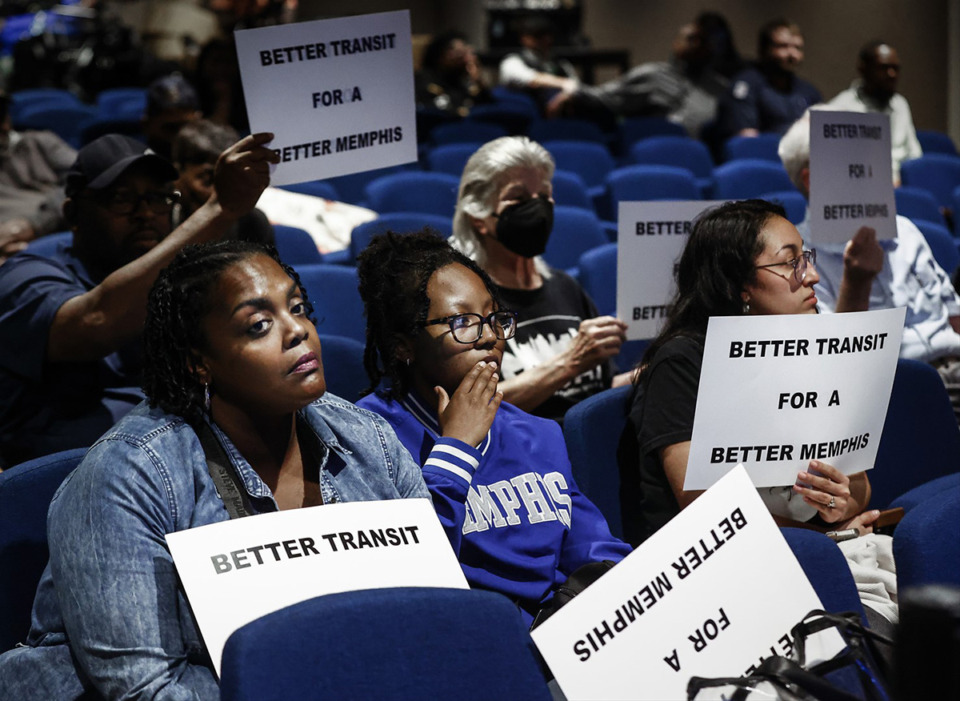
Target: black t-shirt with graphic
(549,318)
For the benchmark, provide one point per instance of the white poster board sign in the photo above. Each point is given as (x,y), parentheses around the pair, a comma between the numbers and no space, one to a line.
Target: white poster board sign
(337,94)
(777,391)
(236,571)
(692,600)
(851,175)
(650,239)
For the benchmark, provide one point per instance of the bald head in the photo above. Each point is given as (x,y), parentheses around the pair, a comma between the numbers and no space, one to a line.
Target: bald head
(879,67)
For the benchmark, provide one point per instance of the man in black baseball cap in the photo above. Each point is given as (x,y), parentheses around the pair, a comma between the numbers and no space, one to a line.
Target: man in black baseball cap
(71,323)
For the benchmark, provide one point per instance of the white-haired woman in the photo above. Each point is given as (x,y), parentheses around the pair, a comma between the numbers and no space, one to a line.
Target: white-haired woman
(562,350)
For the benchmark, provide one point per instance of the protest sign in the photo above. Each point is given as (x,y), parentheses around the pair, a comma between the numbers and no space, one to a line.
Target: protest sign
(236,571)
(851,175)
(777,391)
(710,594)
(337,94)
(651,237)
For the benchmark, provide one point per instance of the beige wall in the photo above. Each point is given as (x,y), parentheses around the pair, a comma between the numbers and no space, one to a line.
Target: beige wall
(834,30)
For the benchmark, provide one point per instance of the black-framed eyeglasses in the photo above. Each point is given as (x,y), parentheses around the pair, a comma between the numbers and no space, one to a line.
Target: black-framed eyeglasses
(122,203)
(799,264)
(468,328)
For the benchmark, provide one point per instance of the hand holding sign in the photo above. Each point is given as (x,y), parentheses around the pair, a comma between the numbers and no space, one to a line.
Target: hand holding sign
(597,340)
(242,174)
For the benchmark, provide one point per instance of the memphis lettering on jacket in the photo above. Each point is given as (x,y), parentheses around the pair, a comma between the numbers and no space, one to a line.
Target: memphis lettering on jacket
(530,497)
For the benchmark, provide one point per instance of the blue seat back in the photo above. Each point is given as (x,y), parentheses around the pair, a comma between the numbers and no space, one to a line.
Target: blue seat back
(569,190)
(67,121)
(633,183)
(679,151)
(468,131)
(598,277)
(942,244)
(748,177)
(296,246)
(25,493)
(315,188)
(575,231)
(122,102)
(920,440)
(763,147)
(590,160)
(513,117)
(414,191)
(338,308)
(917,203)
(633,129)
(591,430)
(926,547)
(566,130)
(450,158)
(343,366)
(918,495)
(400,644)
(398,223)
(938,173)
(791,200)
(352,187)
(826,568)
(932,141)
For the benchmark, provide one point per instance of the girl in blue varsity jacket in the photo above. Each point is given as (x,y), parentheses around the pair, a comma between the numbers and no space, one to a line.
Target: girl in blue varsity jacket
(436,334)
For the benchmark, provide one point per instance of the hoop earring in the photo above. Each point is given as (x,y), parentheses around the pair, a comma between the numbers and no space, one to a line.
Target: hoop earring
(407,362)
(206,396)
(746,307)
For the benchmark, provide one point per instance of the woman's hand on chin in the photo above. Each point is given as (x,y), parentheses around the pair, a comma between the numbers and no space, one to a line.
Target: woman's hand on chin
(468,414)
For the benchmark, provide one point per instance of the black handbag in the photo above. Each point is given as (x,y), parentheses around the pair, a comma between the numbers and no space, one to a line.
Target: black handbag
(851,675)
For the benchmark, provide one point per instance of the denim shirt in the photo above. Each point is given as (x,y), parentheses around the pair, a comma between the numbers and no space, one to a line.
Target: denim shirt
(110,613)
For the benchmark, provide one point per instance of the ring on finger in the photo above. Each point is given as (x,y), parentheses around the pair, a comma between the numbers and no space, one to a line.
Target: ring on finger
(832,504)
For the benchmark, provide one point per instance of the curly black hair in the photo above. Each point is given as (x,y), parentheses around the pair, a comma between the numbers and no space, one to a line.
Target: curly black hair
(394,271)
(178,303)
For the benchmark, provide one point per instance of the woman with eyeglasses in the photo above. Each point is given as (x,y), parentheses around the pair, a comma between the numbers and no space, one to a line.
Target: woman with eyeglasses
(237,423)
(741,258)
(436,334)
(563,350)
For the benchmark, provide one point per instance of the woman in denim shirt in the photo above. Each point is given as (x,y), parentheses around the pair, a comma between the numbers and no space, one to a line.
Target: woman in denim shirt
(229,345)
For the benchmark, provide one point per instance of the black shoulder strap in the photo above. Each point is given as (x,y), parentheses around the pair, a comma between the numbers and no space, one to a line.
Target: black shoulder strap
(224,477)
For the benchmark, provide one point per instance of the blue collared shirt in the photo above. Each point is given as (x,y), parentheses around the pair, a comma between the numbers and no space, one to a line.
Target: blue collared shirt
(910,278)
(49,407)
(109,611)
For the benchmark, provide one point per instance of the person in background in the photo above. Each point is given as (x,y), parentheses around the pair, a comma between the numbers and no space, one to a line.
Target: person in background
(684,89)
(196,149)
(535,70)
(70,363)
(768,96)
(32,168)
(742,258)
(876,91)
(562,350)
(236,393)
(172,103)
(436,333)
(910,277)
(449,78)
(724,57)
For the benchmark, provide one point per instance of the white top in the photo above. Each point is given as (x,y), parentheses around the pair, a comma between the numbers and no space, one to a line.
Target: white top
(910,278)
(516,73)
(904,145)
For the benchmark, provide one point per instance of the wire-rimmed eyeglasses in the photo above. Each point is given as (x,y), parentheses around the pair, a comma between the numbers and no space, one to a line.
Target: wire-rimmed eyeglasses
(468,328)
(799,264)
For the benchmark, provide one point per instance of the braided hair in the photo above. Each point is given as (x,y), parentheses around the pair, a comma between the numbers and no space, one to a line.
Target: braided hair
(394,271)
(179,301)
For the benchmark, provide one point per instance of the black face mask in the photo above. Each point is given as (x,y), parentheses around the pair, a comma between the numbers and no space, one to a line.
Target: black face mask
(525,227)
